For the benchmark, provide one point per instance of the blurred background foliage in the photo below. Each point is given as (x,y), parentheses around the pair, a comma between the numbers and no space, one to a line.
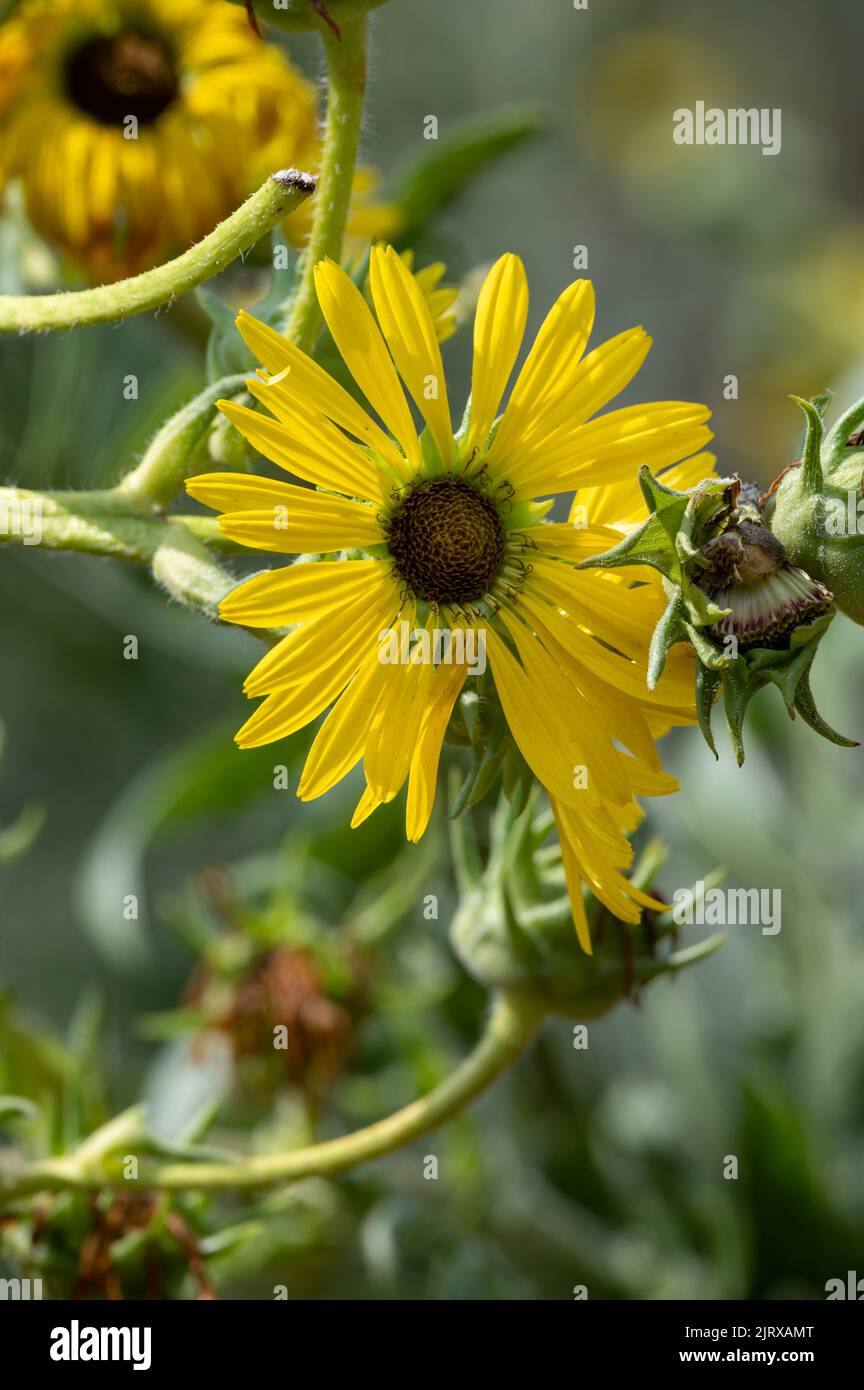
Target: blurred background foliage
(601,1167)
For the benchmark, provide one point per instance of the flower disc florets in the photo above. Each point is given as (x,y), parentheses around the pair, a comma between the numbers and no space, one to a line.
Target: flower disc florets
(446,541)
(130,73)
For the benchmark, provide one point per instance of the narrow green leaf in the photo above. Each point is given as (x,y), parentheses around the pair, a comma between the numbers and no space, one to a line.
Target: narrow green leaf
(446,166)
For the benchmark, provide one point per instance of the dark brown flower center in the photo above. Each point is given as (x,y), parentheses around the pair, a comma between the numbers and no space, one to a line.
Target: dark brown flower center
(131,74)
(446,541)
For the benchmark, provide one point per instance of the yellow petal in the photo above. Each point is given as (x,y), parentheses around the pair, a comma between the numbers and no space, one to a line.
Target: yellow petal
(363,350)
(297,592)
(338,745)
(499,324)
(289,709)
(614,446)
(549,367)
(423,777)
(365,806)
(314,649)
(313,388)
(392,739)
(578,729)
(546,728)
(554,418)
(236,492)
(304,521)
(574,878)
(686,475)
(410,333)
(307,446)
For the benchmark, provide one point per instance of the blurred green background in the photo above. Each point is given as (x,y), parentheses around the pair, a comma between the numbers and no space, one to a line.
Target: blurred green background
(601,1167)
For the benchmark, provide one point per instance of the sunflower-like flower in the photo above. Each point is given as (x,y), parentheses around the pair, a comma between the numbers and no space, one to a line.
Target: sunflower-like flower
(441,536)
(137,125)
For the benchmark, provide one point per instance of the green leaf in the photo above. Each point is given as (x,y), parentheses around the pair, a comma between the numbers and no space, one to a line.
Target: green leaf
(17,838)
(227,354)
(209,777)
(17,1108)
(446,166)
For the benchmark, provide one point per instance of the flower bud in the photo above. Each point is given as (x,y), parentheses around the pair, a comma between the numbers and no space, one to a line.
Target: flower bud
(513,930)
(816,507)
(751,611)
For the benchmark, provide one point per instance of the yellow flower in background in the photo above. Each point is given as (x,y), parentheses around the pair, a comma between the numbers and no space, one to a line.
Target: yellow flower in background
(439,298)
(136,125)
(444,533)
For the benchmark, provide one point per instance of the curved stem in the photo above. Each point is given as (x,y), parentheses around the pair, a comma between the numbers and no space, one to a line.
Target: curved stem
(277,198)
(510,1027)
(346,87)
(160,475)
(96,523)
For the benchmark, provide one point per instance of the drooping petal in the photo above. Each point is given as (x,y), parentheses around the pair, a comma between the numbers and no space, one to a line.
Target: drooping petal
(422,780)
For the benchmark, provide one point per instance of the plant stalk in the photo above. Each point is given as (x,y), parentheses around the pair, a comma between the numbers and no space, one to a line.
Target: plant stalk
(508,1031)
(346,88)
(279,196)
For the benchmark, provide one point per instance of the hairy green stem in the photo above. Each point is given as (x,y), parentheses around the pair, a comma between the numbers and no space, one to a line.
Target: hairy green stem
(509,1029)
(346,87)
(279,196)
(165,466)
(96,523)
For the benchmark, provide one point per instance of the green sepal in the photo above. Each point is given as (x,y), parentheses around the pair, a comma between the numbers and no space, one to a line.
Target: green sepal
(671,628)
(835,445)
(481,776)
(789,671)
(811,460)
(708,682)
(670,541)
(514,929)
(227,354)
(517,778)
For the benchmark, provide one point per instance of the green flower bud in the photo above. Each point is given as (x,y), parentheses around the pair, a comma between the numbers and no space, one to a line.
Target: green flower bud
(752,613)
(814,506)
(513,930)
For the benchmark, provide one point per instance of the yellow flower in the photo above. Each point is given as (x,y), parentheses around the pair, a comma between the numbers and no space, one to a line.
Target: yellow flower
(443,534)
(137,125)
